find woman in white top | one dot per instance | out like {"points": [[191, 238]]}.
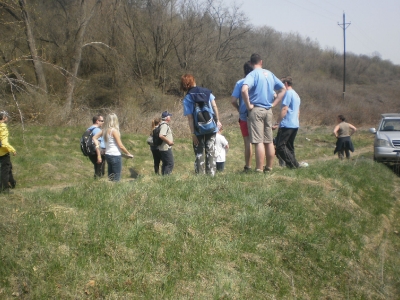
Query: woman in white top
{"points": [[114, 146]]}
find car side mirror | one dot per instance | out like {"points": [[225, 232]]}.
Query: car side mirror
{"points": [[372, 130]]}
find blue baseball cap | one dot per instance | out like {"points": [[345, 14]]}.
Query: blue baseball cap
{"points": [[165, 114]]}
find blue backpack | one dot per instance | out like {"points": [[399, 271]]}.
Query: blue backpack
{"points": [[204, 119]]}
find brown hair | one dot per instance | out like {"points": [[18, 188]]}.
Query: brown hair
{"points": [[154, 123], [341, 118], [187, 82]]}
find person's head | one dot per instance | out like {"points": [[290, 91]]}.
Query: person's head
{"points": [[3, 116], [187, 82], [155, 123], [166, 116], [98, 120], [287, 80], [110, 123], [247, 68], [341, 118], [256, 60]]}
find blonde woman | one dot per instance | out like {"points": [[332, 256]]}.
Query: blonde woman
{"points": [[112, 139]]}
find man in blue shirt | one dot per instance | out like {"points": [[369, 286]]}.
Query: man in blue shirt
{"points": [[288, 123], [99, 168], [258, 91]]}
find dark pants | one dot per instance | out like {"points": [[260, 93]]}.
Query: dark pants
{"points": [[99, 169], [167, 159], [6, 177], [220, 166], [285, 146], [205, 154], [156, 159]]}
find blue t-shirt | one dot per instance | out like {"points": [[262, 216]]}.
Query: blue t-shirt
{"points": [[188, 106], [292, 101], [237, 93], [262, 85], [95, 131]]}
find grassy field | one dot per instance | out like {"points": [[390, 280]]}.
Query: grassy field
{"points": [[330, 231]]}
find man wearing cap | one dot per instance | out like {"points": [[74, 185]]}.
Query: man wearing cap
{"points": [[165, 148], [7, 179], [258, 91]]}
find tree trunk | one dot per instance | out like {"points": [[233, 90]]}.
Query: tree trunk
{"points": [[37, 64], [77, 53]]}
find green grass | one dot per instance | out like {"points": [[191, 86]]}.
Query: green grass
{"points": [[329, 231]]}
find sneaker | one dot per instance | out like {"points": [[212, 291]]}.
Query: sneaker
{"points": [[259, 171], [303, 164], [267, 169]]}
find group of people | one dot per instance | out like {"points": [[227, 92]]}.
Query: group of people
{"points": [[109, 147], [253, 96]]}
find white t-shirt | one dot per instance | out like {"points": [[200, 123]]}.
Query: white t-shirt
{"points": [[220, 150]]}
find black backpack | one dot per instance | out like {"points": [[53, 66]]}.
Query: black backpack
{"points": [[87, 145], [156, 136]]}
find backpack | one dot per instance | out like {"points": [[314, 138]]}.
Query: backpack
{"points": [[87, 145], [204, 119], [156, 136]]}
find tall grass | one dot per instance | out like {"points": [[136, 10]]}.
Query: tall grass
{"points": [[329, 231]]}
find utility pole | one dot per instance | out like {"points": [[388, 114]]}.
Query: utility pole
{"points": [[344, 25]]}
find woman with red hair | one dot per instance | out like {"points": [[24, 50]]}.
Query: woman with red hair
{"points": [[203, 143]]}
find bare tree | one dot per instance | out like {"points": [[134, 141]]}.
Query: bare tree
{"points": [[85, 12]]}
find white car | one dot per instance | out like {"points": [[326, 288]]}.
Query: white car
{"points": [[387, 139]]}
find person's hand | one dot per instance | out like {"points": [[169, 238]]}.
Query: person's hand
{"points": [[128, 155], [99, 159], [15, 153], [275, 127], [219, 125], [250, 107], [195, 140], [171, 144]]}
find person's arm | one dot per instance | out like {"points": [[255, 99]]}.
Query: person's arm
{"points": [[4, 141], [191, 126], [353, 128], [335, 131], [97, 143], [215, 108], [245, 96], [279, 96], [164, 138], [117, 137], [283, 113], [234, 102]]}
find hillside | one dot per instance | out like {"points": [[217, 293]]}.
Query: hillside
{"points": [[330, 231]]}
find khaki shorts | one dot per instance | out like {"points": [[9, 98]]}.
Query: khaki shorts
{"points": [[259, 122]]}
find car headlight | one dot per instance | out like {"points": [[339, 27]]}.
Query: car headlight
{"points": [[382, 143]]}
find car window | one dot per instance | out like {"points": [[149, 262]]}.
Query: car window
{"points": [[390, 125]]}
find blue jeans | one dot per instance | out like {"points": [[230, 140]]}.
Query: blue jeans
{"points": [[114, 167]]}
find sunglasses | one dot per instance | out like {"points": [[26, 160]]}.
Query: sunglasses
{"points": [[101, 120]]}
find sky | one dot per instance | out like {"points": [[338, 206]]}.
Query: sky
{"points": [[374, 28]]}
